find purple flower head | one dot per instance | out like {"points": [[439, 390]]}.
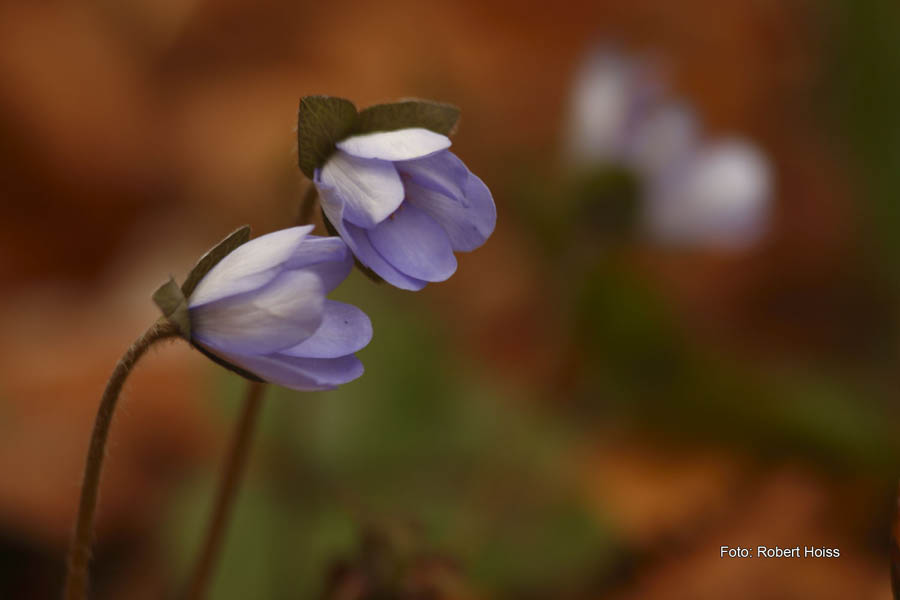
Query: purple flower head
{"points": [[404, 204], [263, 309], [696, 192]]}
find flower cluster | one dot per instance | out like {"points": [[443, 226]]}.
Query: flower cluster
{"points": [[402, 202], [696, 192], [399, 200]]}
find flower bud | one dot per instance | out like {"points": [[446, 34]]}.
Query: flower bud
{"points": [[263, 309]]}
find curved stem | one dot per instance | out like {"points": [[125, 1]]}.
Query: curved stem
{"points": [[225, 495], [80, 549]]}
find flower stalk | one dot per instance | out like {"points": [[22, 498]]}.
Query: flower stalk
{"points": [[80, 549], [225, 496]]}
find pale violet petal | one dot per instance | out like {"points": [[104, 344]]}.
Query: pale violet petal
{"points": [[402, 144], [345, 329], [358, 239], [250, 266], [481, 202], [327, 256], [331, 202], [414, 244], [467, 226], [279, 315], [370, 189], [359, 243], [304, 374], [442, 172]]}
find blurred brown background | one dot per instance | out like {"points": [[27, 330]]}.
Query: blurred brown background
{"points": [[504, 442]]}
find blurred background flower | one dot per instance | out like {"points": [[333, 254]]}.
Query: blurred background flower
{"points": [[690, 192], [574, 414]]}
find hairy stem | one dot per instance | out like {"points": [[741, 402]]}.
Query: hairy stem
{"points": [[80, 549], [225, 495]]}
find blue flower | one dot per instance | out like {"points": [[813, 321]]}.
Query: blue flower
{"points": [[697, 192], [404, 204], [263, 308]]}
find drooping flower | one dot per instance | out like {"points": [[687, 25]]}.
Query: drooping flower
{"points": [[263, 308], [404, 204], [695, 192]]}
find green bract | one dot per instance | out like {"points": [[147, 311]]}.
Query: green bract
{"points": [[234, 239], [322, 121], [172, 300], [436, 116], [173, 304]]}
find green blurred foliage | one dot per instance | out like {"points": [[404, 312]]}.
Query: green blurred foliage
{"points": [[424, 443], [641, 367], [865, 92]]}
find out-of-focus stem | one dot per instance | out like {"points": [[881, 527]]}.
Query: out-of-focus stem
{"points": [[225, 495], [895, 550], [80, 549]]}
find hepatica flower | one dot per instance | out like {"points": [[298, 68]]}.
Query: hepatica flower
{"points": [[258, 308], [262, 310], [694, 192], [391, 188]]}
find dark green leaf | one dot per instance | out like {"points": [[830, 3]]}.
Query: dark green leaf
{"points": [[171, 301], [363, 268], [212, 258], [436, 116], [321, 121]]}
